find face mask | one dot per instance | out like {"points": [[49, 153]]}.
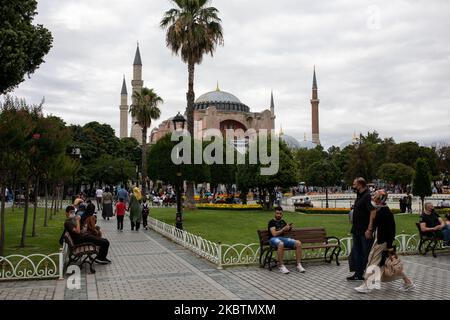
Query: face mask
{"points": [[355, 190], [72, 215], [374, 204]]}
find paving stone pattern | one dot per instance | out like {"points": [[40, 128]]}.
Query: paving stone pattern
{"points": [[148, 266]]}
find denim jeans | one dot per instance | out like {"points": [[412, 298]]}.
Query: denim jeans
{"points": [[446, 233], [360, 253]]}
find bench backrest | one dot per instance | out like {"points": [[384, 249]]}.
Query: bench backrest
{"points": [[305, 235], [68, 240]]}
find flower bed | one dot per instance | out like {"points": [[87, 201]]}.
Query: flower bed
{"points": [[443, 212], [225, 206], [331, 210]]}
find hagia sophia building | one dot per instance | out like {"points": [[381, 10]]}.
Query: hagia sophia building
{"points": [[215, 110]]}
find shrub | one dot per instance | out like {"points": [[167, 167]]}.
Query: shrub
{"points": [[225, 206], [332, 210]]}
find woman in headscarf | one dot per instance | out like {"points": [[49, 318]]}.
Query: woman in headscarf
{"points": [[383, 248], [107, 200], [135, 208]]}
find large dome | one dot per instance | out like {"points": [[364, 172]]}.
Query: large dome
{"points": [[217, 96], [221, 100]]}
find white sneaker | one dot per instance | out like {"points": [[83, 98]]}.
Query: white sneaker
{"points": [[407, 287], [283, 269], [300, 268], [363, 289]]}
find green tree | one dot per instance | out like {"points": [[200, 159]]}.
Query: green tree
{"points": [[422, 181], [323, 173], [50, 141], [360, 163], [15, 129], [129, 149], [193, 30], [306, 157], [249, 175], [144, 111], [396, 173], [161, 167], [22, 44]]}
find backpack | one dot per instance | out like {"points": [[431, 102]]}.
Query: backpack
{"points": [[145, 208]]}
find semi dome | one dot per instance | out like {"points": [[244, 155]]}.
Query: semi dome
{"points": [[290, 141], [222, 100]]}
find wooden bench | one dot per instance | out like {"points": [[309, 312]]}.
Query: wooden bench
{"points": [[430, 240], [311, 238], [81, 253]]}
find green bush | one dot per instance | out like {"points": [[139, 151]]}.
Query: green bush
{"points": [[442, 212]]}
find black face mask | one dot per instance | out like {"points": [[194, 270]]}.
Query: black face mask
{"points": [[355, 190]]}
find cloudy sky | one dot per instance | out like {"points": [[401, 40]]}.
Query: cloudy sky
{"points": [[381, 65]]}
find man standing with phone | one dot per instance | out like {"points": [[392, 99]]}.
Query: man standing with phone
{"points": [[362, 228], [277, 227]]}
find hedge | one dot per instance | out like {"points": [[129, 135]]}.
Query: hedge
{"points": [[332, 210]]}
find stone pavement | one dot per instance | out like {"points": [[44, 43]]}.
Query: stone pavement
{"points": [[148, 266]]}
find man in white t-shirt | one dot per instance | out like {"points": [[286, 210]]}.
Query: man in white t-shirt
{"points": [[99, 197]]}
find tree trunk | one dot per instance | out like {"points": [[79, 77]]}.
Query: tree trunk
{"points": [[45, 204], [423, 204], [61, 197], [25, 215], [52, 204], [144, 160], [272, 198], [2, 221], [326, 197], [190, 99], [55, 209], [190, 203], [36, 193], [243, 195]]}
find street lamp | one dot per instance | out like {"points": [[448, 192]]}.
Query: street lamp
{"points": [[178, 124], [76, 153]]}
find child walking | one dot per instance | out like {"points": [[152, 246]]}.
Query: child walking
{"points": [[120, 213], [145, 212]]}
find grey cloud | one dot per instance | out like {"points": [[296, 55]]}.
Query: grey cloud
{"points": [[393, 79]]}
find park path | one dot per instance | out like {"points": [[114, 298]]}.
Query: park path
{"points": [[148, 266]]}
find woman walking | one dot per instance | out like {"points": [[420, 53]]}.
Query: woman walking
{"points": [[135, 209], [383, 249], [107, 200]]}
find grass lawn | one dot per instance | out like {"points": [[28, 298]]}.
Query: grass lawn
{"points": [[46, 240], [231, 227]]}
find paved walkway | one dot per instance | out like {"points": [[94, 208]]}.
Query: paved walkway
{"points": [[148, 266]]}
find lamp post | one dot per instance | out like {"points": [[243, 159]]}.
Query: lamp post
{"points": [[178, 124], [76, 153]]}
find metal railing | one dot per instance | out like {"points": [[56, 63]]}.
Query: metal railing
{"points": [[224, 255], [31, 267]]}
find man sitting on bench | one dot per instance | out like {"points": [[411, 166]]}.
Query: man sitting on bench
{"points": [[72, 225], [276, 228], [431, 224]]}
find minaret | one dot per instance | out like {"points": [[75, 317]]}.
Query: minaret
{"points": [[123, 110], [272, 110], [315, 111], [272, 104], [137, 84]]}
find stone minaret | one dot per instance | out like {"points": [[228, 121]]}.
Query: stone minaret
{"points": [[137, 84], [123, 110], [272, 110], [315, 111]]}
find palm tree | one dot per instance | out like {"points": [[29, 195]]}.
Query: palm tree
{"points": [[144, 111], [193, 30]]}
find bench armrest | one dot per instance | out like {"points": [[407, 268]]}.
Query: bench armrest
{"points": [[335, 238]]}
